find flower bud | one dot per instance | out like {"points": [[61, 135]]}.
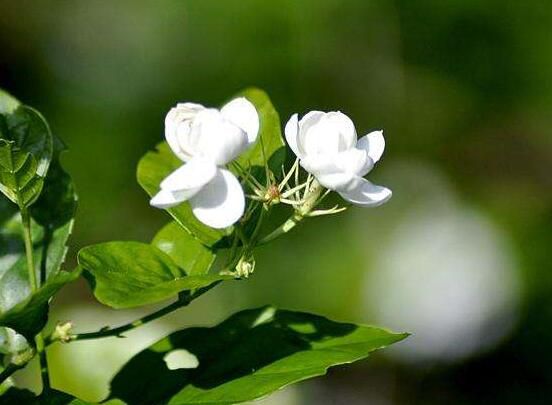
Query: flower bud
{"points": [[245, 267], [63, 332]]}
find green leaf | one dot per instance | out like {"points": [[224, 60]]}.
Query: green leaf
{"points": [[29, 315], [248, 356], [52, 223], [152, 169], [26, 148], [19, 307], [270, 135], [57, 204], [133, 274], [8, 103], [18, 174], [186, 251]]}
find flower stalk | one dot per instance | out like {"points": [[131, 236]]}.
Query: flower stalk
{"points": [[33, 281], [66, 337]]}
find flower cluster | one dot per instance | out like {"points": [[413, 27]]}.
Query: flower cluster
{"points": [[208, 139]]}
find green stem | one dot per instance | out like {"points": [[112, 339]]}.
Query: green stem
{"points": [[43, 360], [282, 229], [8, 371], [312, 199], [258, 225], [118, 331], [26, 222], [39, 340]]}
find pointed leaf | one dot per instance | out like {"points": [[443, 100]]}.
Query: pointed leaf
{"points": [[248, 356], [18, 174], [26, 148], [133, 274]]}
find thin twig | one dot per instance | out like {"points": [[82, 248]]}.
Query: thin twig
{"points": [[8, 371]]}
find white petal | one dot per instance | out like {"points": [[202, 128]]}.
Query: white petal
{"points": [[317, 164], [347, 131], [309, 119], [337, 181], [193, 175], [182, 111], [331, 133], [177, 122], [242, 113], [217, 138], [221, 202], [292, 132], [305, 124], [354, 161], [367, 194], [166, 199], [374, 144], [324, 168], [338, 172]]}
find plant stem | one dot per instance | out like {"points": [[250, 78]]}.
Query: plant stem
{"points": [[39, 340], [43, 360], [8, 371], [118, 331], [311, 200], [26, 222], [287, 226]]}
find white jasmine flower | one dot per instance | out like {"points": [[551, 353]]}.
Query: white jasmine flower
{"points": [[327, 147], [207, 139]]}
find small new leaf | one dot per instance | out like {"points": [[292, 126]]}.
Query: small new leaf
{"points": [[26, 149]]}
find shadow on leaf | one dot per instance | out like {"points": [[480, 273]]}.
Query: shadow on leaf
{"points": [[252, 353]]}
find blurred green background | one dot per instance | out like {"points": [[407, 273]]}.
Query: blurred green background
{"points": [[460, 256]]}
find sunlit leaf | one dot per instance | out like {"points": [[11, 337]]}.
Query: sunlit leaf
{"points": [[270, 143], [133, 274], [8, 103], [248, 356], [186, 251], [26, 148]]}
